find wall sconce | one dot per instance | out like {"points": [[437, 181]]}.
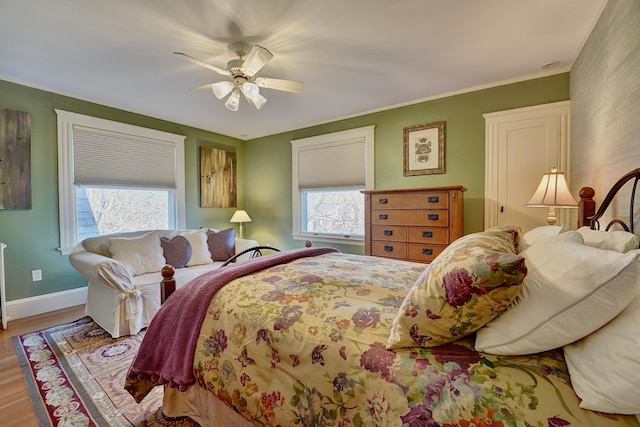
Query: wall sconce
{"points": [[240, 216], [553, 193]]}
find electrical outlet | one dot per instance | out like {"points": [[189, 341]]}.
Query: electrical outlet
{"points": [[36, 275]]}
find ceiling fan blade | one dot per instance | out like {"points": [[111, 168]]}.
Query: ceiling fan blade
{"points": [[207, 86], [203, 64], [255, 60], [279, 84]]}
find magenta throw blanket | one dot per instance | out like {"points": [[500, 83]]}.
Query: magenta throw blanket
{"points": [[166, 353]]}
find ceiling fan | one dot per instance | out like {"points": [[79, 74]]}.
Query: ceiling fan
{"points": [[242, 71]]}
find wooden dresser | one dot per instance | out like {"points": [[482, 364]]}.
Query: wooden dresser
{"points": [[412, 224]]}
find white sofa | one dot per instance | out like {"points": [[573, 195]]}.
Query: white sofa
{"points": [[123, 270]]}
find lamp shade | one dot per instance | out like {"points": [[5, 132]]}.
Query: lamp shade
{"points": [[240, 216], [553, 191]]}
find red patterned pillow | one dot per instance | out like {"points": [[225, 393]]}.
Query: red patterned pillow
{"points": [[177, 251], [222, 244]]}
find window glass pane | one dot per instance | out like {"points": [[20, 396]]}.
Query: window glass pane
{"points": [[333, 212], [109, 210]]}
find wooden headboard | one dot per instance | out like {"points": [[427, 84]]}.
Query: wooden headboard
{"points": [[587, 214]]}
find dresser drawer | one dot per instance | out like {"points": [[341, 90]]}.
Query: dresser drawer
{"points": [[390, 233], [424, 252], [432, 235], [410, 201], [389, 249], [433, 218]]}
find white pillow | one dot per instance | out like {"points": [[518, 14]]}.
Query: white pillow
{"points": [[604, 367], [532, 236], [199, 248], [570, 291], [141, 254], [620, 241]]}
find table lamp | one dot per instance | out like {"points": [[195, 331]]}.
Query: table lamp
{"points": [[553, 193], [240, 216]]}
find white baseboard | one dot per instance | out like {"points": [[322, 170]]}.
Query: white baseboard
{"points": [[31, 306]]}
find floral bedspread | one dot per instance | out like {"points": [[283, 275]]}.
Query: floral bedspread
{"points": [[304, 344]]}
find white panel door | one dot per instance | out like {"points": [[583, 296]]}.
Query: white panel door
{"points": [[521, 146]]}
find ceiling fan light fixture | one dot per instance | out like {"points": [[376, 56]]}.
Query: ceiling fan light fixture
{"points": [[233, 102], [222, 89], [258, 102], [251, 90]]}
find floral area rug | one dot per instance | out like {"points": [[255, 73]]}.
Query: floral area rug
{"points": [[75, 375]]}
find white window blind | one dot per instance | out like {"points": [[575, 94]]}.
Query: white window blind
{"points": [[103, 153], [328, 172], [339, 164], [106, 158]]}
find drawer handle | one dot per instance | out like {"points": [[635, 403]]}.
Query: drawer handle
{"points": [[432, 217], [433, 199], [388, 248], [383, 201], [427, 234], [427, 251], [388, 232], [383, 216]]}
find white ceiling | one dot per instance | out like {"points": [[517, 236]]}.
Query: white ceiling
{"points": [[354, 56]]}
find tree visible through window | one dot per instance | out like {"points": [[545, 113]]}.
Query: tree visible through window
{"points": [[109, 210], [334, 212]]}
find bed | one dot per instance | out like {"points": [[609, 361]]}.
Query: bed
{"points": [[496, 331]]}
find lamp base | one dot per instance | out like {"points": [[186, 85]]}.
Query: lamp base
{"points": [[240, 231], [551, 216]]}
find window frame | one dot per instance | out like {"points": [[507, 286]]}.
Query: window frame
{"points": [[66, 188], [365, 134]]}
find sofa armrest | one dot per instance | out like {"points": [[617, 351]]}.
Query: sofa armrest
{"points": [[244, 244], [97, 268]]}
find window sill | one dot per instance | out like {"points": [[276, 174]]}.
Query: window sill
{"points": [[325, 238]]}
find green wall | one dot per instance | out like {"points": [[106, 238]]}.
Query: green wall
{"points": [[264, 170], [268, 160], [32, 236]]}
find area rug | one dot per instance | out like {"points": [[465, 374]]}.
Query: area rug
{"points": [[75, 374]]}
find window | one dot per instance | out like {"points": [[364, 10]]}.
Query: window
{"points": [[116, 177], [328, 174]]}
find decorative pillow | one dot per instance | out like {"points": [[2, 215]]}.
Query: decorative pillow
{"points": [[570, 291], [532, 236], [620, 241], [177, 250], [469, 283], [222, 244], [604, 366], [199, 248], [141, 254]]}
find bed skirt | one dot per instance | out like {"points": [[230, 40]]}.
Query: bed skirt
{"points": [[201, 406]]}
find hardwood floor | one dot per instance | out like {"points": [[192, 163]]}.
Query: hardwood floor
{"points": [[15, 404]]}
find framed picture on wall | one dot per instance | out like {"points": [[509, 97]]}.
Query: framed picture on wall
{"points": [[15, 159], [424, 149], [218, 186]]}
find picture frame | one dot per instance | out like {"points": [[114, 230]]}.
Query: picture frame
{"points": [[218, 178], [424, 149]]}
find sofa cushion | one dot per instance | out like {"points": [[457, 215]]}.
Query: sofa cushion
{"points": [[177, 250], [222, 244], [199, 248], [141, 254]]}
